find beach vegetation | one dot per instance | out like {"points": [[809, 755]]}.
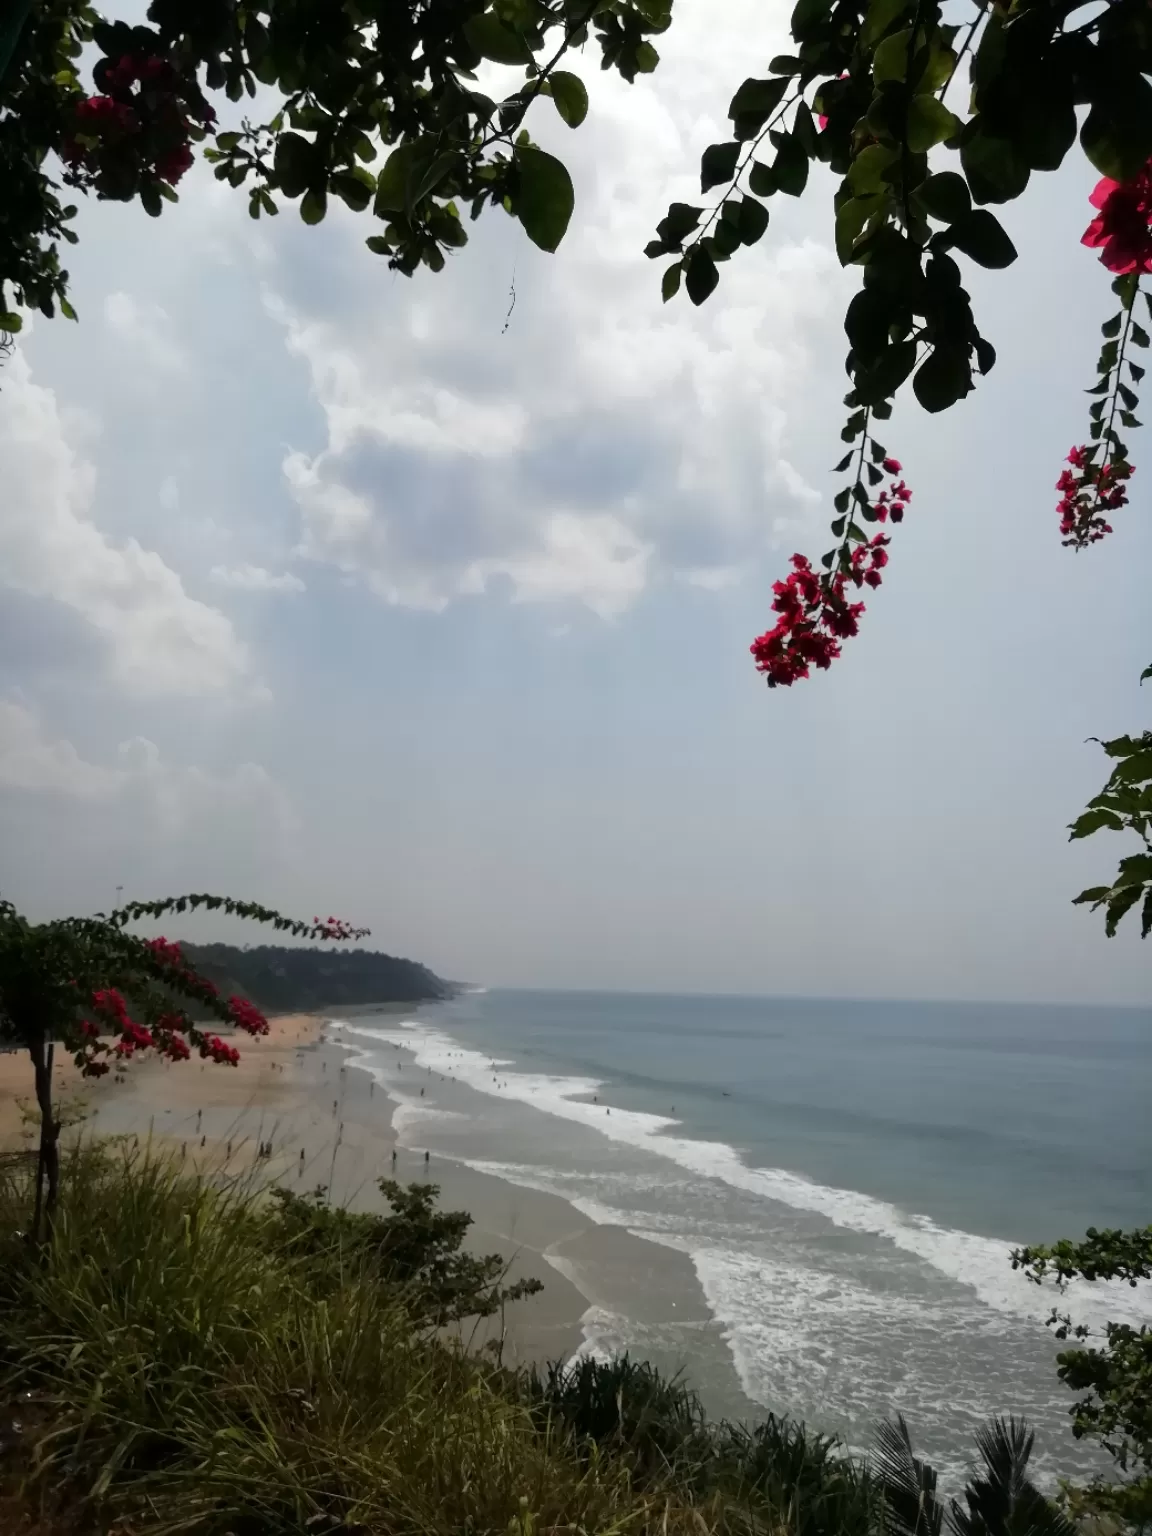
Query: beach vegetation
{"points": [[192, 1356]]}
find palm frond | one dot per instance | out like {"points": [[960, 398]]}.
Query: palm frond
{"points": [[907, 1484], [1001, 1499]]}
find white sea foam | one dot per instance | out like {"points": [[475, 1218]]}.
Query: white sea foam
{"points": [[981, 1263]]}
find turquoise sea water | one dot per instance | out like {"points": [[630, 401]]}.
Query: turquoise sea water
{"points": [[847, 1179]]}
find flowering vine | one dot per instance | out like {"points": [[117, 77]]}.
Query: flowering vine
{"points": [[814, 609], [1096, 479]]}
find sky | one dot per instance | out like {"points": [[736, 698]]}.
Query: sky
{"points": [[354, 593]]}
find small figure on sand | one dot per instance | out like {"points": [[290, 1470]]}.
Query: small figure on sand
{"points": [[426, 1156], [421, 1093], [393, 1157]]}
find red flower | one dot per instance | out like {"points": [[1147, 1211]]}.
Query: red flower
{"points": [[212, 1046], [172, 165], [1086, 494], [109, 1002], [247, 1016], [814, 613], [1122, 230], [171, 953]]}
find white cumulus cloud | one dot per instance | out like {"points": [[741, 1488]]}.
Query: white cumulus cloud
{"points": [[138, 777], [589, 440], [254, 578], [160, 639]]}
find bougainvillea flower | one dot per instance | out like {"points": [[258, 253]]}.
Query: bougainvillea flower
{"points": [[1122, 230]]}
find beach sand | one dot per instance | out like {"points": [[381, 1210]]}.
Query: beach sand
{"points": [[330, 1124]]}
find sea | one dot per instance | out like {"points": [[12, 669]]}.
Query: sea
{"points": [[847, 1180]]}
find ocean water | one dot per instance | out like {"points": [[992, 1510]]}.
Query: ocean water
{"points": [[846, 1178]]}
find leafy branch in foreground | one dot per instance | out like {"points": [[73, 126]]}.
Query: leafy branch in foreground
{"points": [[863, 93], [1123, 805], [345, 82], [1116, 1410]]}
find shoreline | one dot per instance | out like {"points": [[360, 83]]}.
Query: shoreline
{"points": [[332, 1123]]}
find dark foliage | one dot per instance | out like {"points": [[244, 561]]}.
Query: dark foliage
{"points": [[286, 979]]}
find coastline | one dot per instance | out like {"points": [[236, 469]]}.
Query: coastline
{"points": [[331, 1123]]}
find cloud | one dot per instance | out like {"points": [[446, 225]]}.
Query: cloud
{"points": [[145, 329], [139, 778], [254, 578], [603, 440], [160, 639]]}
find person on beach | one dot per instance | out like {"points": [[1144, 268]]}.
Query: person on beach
{"points": [[426, 1156]]}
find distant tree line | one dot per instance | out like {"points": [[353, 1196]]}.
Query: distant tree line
{"points": [[282, 978]]}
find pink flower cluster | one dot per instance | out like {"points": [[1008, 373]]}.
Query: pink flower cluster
{"points": [[150, 126], [814, 611], [167, 1036], [1122, 229], [336, 928], [1086, 492], [247, 1016], [218, 1050]]}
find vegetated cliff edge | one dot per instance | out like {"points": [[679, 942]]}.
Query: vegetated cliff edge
{"points": [[291, 979]]}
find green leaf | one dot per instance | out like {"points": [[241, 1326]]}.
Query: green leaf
{"points": [[890, 61], [879, 17], [981, 235], [1095, 821], [838, 469], [808, 14], [942, 378], [761, 179], [1144, 676], [945, 196], [294, 162], [570, 95], [866, 173], [313, 206], [670, 281], [355, 190], [929, 123], [1137, 335], [67, 311], [700, 276], [379, 245], [680, 220], [790, 168], [753, 220], [1111, 327], [754, 103], [995, 168], [545, 198], [842, 498], [885, 376], [493, 40], [718, 164], [851, 217], [1119, 904], [1117, 133]]}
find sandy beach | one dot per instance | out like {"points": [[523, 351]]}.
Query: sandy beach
{"points": [[331, 1124]]}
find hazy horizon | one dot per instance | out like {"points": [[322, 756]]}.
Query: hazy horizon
{"points": [[324, 587]]}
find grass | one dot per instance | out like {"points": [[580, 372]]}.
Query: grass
{"points": [[183, 1362]]}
